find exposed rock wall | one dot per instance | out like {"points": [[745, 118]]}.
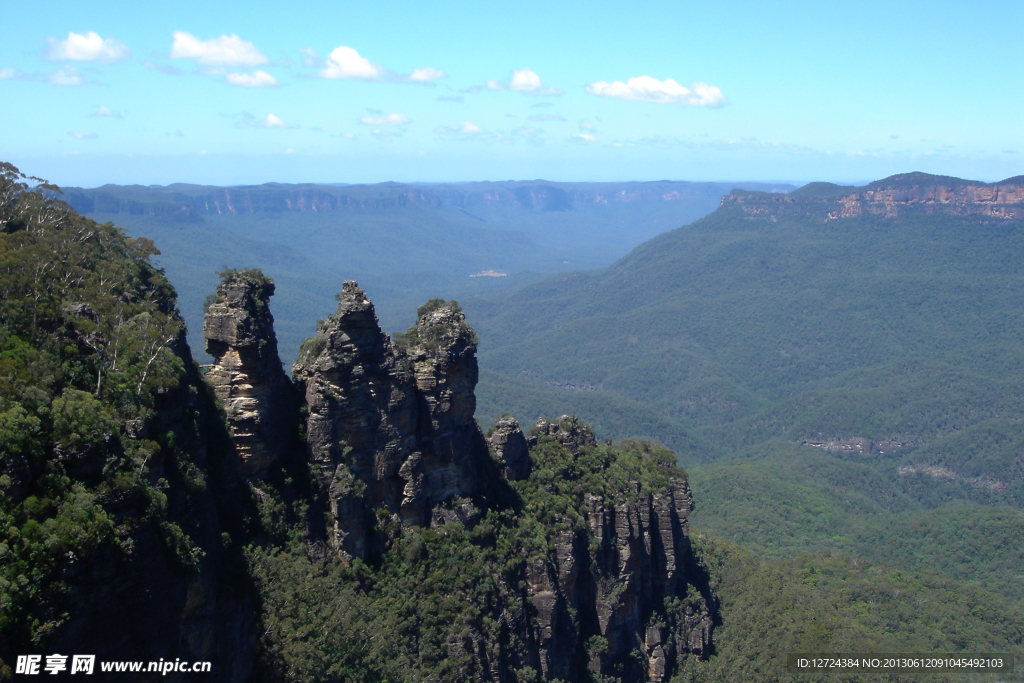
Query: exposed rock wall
{"points": [[893, 196], [389, 428], [510, 448], [392, 439], [625, 579], [247, 376]]}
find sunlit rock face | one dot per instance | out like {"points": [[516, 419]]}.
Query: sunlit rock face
{"points": [[247, 377]]}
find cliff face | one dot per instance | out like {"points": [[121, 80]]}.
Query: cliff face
{"points": [[389, 428], [147, 599], [247, 377], [624, 577], [393, 445], [894, 196]]}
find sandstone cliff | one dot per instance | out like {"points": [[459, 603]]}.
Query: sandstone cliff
{"points": [[247, 376], [893, 196], [624, 576]]}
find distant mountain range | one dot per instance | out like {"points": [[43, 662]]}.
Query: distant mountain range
{"points": [[884, 319], [403, 242]]}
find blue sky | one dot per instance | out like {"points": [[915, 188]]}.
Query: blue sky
{"points": [[231, 92]]}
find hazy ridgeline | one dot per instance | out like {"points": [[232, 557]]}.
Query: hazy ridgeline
{"points": [[403, 243]]}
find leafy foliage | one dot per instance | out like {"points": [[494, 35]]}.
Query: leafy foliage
{"points": [[830, 603], [88, 339]]}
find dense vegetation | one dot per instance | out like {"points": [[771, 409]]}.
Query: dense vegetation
{"points": [[746, 337], [89, 339], [835, 604], [419, 611]]}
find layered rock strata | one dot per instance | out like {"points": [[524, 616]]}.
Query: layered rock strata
{"points": [[894, 196], [390, 426], [625, 579], [247, 376]]}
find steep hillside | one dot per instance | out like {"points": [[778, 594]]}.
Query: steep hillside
{"points": [[892, 329], [114, 498]]}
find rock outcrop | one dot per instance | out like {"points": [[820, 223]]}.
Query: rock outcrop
{"points": [[626, 578], [247, 376], [390, 426], [510, 448], [393, 443], [893, 196]]}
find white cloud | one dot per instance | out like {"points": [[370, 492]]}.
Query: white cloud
{"points": [[106, 113], [464, 129], [83, 136], [6, 73], [257, 79], [524, 81], [345, 62], [225, 51], [247, 120], [67, 75], [389, 120], [647, 89], [585, 137], [546, 117], [426, 74], [87, 48], [272, 122]]}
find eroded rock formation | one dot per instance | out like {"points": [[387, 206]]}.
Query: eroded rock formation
{"points": [[510, 448], [625, 578], [247, 376], [897, 195], [390, 426], [393, 443]]}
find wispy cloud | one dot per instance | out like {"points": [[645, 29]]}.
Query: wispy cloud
{"points": [[89, 47], [546, 117], [524, 81], [464, 130], [83, 136], [426, 75], [165, 69], [450, 98], [103, 112], [6, 73], [583, 137], [310, 58], [648, 89], [530, 134], [257, 79], [382, 120], [225, 51], [67, 75], [247, 120]]}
